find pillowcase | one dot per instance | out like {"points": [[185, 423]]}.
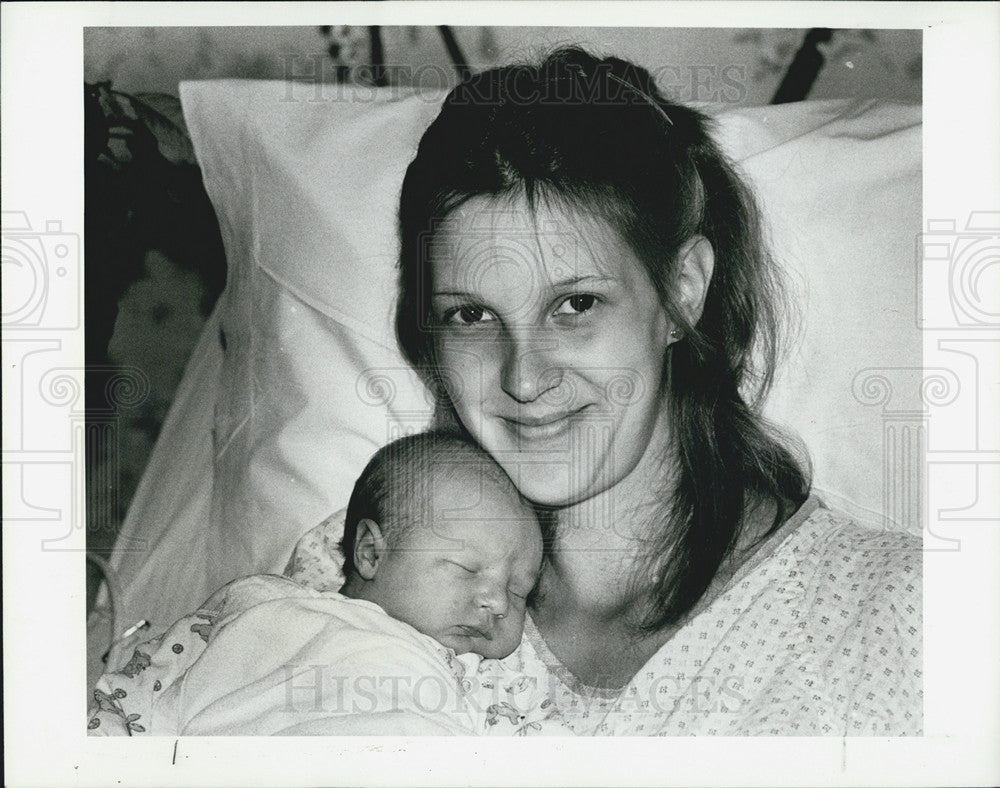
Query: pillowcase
{"points": [[839, 184], [311, 382]]}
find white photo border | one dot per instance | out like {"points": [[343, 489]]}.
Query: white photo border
{"points": [[46, 742]]}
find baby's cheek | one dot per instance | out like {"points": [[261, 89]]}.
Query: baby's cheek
{"points": [[511, 631]]}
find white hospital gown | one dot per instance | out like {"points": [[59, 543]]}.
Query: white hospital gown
{"points": [[820, 633]]}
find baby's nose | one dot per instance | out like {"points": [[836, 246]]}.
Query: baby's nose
{"points": [[494, 600]]}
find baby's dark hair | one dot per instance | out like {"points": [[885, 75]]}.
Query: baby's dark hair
{"points": [[395, 487]]}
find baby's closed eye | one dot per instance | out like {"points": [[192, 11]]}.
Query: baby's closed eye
{"points": [[467, 569]]}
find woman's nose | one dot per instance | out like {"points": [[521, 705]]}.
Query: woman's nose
{"points": [[526, 373]]}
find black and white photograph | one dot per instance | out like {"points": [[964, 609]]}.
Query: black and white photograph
{"points": [[381, 390]]}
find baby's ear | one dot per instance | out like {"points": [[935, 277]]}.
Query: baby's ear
{"points": [[369, 548]]}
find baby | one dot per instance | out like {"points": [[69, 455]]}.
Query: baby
{"points": [[438, 536], [440, 555]]}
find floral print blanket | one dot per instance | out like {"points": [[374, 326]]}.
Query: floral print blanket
{"points": [[266, 655]]}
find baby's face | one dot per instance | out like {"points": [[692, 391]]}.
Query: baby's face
{"points": [[463, 577]]}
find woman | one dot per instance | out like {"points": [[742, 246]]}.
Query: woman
{"points": [[583, 282]]}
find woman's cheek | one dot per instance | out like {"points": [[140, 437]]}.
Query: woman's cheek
{"points": [[605, 373], [462, 366]]}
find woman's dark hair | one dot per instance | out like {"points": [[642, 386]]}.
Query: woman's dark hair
{"points": [[596, 135]]}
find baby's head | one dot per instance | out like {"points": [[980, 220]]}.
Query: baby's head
{"points": [[438, 536]]}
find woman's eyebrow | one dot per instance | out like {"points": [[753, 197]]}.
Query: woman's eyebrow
{"points": [[456, 293], [584, 279], [569, 281]]}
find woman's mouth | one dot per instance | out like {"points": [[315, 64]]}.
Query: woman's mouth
{"points": [[540, 427]]}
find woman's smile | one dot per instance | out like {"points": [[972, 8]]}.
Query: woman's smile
{"points": [[541, 427]]}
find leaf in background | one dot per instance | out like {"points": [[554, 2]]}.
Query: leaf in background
{"points": [[106, 99], [109, 125], [162, 115]]}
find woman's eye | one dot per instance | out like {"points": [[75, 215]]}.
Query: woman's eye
{"points": [[577, 304], [468, 315], [464, 568]]}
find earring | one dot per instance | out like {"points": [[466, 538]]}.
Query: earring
{"points": [[676, 333]]}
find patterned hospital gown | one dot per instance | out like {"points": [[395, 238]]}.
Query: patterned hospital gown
{"points": [[820, 633]]}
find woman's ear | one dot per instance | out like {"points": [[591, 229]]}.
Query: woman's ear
{"points": [[369, 548], [695, 264]]}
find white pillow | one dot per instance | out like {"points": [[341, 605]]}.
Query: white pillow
{"points": [[312, 382], [839, 184]]}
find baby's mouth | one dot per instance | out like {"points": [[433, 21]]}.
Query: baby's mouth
{"points": [[475, 632]]}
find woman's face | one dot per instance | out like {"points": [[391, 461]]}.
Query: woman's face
{"points": [[551, 341]]}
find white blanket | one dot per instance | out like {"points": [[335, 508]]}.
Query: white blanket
{"points": [[266, 656]]}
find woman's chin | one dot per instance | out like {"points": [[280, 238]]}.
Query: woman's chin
{"points": [[557, 472], [552, 487]]}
